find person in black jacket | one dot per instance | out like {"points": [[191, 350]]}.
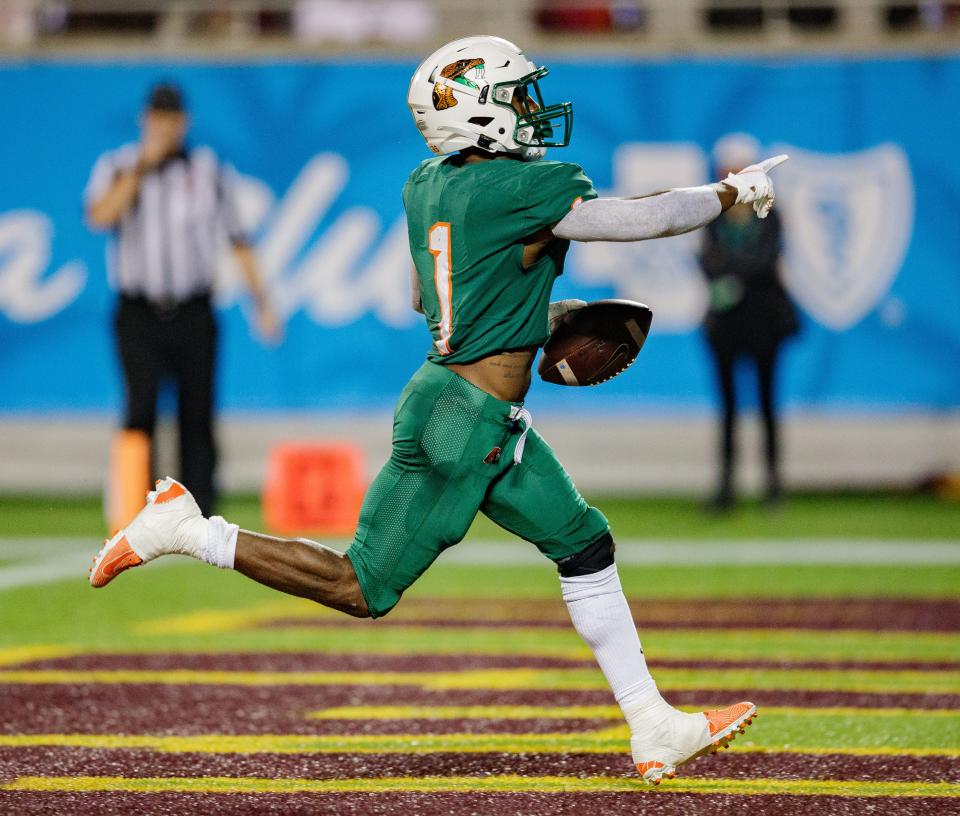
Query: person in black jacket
{"points": [[749, 316]]}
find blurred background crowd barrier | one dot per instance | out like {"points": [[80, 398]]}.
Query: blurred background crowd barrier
{"points": [[321, 144], [240, 25]]}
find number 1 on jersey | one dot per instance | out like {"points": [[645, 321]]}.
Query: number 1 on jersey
{"points": [[438, 242]]}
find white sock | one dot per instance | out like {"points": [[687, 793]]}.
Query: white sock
{"points": [[601, 616], [219, 546]]}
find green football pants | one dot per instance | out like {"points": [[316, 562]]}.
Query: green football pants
{"points": [[453, 456]]}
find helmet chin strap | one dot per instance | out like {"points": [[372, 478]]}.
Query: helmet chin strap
{"points": [[530, 153], [474, 136], [526, 153]]}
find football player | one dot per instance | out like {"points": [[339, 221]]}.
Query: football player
{"points": [[490, 221]]}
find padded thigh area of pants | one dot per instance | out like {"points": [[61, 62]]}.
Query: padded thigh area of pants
{"points": [[452, 422], [427, 495]]}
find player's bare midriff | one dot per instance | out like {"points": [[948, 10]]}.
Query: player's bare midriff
{"points": [[505, 376]]}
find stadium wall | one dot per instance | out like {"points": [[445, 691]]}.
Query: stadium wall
{"points": [[321, 151], [606, 455]]}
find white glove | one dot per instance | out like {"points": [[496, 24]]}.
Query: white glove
{"points": [[753, 185], [559, 308]]}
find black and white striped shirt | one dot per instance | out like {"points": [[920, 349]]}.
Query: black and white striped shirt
{"points": [[167, 244]]}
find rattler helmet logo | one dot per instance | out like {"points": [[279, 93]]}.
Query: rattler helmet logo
{"points": [[463, 71]]}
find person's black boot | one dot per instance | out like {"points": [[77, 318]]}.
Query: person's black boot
{"points": [[773, 498], [722, 501]]}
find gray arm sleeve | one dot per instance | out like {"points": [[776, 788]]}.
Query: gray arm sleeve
{"points": [[637, 219]]}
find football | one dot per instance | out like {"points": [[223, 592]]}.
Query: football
{"points": [[593, 344]]}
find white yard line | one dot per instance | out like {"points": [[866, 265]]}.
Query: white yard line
{"points": [[45, 560], [44, 572], [35, 549], [683, 552]]}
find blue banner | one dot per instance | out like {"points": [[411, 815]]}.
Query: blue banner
{"points": [[870, 202]]}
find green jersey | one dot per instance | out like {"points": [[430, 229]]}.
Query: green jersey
{"points": [[468, 223]]}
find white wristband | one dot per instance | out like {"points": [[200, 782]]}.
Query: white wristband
{"points": [[221, 545]]}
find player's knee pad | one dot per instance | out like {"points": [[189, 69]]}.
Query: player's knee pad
{"points": [[593, 558]]}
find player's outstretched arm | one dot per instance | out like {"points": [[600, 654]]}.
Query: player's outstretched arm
{"points": [[669, 213]]}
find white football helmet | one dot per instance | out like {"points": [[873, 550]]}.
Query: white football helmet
{"points": [[483, 92]]}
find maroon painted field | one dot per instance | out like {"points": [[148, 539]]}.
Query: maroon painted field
{"points": [[49, 705]]}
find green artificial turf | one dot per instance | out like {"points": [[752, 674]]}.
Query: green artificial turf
{"points": [[901, 516], [71, 612], [178, 605]]}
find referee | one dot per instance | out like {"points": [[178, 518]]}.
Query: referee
{"points": [[169, 207]]}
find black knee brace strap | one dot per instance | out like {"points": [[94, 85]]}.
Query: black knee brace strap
{"points": [[594, 558]]}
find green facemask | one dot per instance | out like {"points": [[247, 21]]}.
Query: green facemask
{"points": [[547, 125]]}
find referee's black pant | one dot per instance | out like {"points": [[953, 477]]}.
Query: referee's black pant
{"points": [[179, 342]]}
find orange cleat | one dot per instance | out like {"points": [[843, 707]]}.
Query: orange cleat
{"points": [[726, 723], [115, 557], [170, 522], [675, 738]]}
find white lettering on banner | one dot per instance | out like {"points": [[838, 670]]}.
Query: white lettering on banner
{"points": [[664, 273], [847, 221], [345, 273], [26, 296]]}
